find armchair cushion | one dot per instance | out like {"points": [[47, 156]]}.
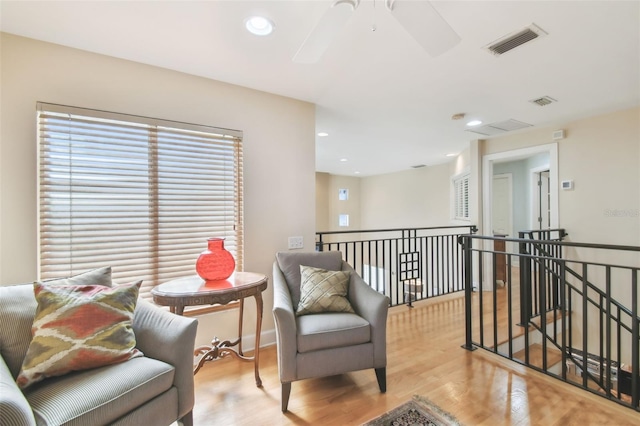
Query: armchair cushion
{"points": [[331, 330], [323, 291], [289, 264], [79, 327]]}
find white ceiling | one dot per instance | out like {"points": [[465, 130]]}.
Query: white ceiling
{"points": [[385, 102]]}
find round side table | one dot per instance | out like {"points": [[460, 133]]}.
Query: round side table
{"points": [[194, 291]]}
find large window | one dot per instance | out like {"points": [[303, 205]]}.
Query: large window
{"points": [[141, 195]]}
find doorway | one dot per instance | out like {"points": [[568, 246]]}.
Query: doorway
{"points": [[541, 192], [526, 165], [502, 208], [519, 163]]}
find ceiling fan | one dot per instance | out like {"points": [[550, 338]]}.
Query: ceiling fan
{"points": [[419, 18]]}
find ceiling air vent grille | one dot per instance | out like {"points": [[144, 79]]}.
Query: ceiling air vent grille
{"points": [[545, 100], [499, 127], [511, 41]]}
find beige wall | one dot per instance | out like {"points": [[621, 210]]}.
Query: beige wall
{"points": [[412, 198], [601, 155], [323, 180], [329, 207], [279, 152]]}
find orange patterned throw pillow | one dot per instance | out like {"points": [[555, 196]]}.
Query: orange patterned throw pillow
{"points": [[78, 328]]}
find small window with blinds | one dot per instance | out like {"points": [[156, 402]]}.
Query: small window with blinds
{"points": [[461, 197], [138, 194]]}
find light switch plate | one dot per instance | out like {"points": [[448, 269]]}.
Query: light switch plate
{"points": [[296, 242]]}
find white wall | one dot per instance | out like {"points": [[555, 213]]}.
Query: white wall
{"points": [[279, 152]]}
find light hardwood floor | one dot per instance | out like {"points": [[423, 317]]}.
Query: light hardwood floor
{"points": [[424, 358]]}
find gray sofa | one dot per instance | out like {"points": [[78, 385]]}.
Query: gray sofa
{"points": [[156, 389], [326, 344]]}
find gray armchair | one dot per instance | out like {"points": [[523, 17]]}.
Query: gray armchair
{"points": [[326, 344]]}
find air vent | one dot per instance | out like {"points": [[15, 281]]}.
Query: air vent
{"points": [[545, 100], [511, 41], [499, 127]]}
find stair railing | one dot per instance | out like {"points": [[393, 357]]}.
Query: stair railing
{"points": [[554, 303], [406, 264]]}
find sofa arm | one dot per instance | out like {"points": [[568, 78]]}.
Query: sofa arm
{"points": [[14, 408], [374, 307], [286, 328], [170, 338]]}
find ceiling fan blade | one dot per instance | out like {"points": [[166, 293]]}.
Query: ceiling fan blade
{"points": [[325, 31], [423, 22]]}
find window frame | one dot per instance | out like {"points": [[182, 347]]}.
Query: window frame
{"points": [[460, 210], [221, 146]]}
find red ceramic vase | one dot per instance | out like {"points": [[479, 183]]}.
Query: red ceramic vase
{"points": [[215, 263]]}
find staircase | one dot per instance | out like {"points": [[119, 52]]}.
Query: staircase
{"points": [[551, 307]]}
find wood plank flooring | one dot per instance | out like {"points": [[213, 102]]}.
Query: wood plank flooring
{"points": [[424, 358]]}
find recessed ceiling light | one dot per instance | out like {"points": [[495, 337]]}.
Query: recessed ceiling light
{"points": [[356, 173], [451, 155], [474, 123], [343, 160], [259, 25], [323, 134]]}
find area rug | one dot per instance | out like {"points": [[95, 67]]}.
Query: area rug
{"points": [[417, 412]]}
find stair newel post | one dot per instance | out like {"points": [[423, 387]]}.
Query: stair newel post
{"points": [[525, 281], [465, 241], [635, 339], [563, 310], [542, 275]]}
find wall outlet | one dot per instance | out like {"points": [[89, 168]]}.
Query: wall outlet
{"points": [[295, 242]]}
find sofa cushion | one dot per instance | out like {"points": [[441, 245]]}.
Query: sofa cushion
{"points": [[79, 327], [18, 307], [323, 291], [100, 395], [98, 276], [289, 264], [331, 330]]}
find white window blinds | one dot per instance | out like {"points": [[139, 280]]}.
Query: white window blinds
{"points": [[461, 197], [140, 195]]}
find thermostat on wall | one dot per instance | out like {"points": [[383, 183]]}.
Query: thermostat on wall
{"points": [[567, 184]]}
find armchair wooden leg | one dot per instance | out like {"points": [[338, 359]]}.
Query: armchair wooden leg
{"points": [[381, 375], [286, 391], [187, 419]]}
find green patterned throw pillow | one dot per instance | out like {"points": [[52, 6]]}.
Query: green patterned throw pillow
{"points": [[323, 291], [78, 328]]}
